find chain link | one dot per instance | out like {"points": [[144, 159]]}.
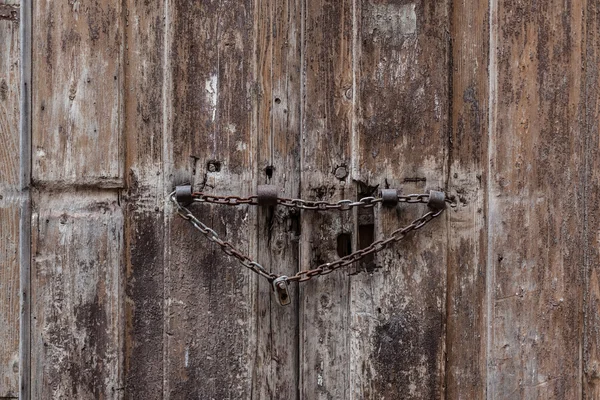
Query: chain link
{"points": [[358, 255], [342, 205]]}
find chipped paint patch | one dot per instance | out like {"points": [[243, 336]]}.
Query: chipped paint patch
{"points": [[212, 93], [391, 21]]}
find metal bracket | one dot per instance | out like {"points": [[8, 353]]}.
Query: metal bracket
{"points": [[389, 197], [267, 195], [437, 200], [280, 286]]}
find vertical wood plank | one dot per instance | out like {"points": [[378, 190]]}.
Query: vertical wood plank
{"points": [[277, 127], [144, 226], [326, 141], [9, 198], [77, 320], [401, 138], [211, 300], [76, 296], [467, 234], [77, 98], [591, 332], [537, 169]]}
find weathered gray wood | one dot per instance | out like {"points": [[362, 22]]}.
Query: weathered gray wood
{"points": [[210, 299], [77, 75], [591, 330], [25, 128], [402, 110], [535, 216], [467, 235], [9, 200], [277, 32], [326, 146], [76, 285], [144, 223], [77, 316]]}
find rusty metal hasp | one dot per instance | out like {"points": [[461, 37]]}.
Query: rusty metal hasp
{"points": [[268, 196]]}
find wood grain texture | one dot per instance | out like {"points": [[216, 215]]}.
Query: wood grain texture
{"points": [[402, 109], [537, 167], [326, 146], [9, 204], [77, 319], [467, 181], [591, 331], [211, 300], [77, 63], [144, 226], [277, 31]]}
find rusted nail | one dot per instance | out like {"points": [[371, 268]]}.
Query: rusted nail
{"points": [[341, 172], [9, 12]]}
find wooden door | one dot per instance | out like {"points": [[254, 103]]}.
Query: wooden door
{"points": [[495, 103]]}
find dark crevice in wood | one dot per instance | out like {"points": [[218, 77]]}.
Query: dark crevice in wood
{"points": [[366, 230], [344, 244], [449, 157]]}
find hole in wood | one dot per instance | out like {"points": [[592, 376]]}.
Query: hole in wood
{"points": [[269, 171], [366, 236], [344, 244], [213, 166], [277, 100]]}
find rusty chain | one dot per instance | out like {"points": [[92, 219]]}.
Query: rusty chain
{"points": [[323, 269], [342, 205], [226, 247]]}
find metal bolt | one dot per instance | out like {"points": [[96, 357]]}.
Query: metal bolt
{"points": [[341, 172]]}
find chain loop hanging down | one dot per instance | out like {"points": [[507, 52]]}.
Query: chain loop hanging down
{"points": [[183, 195]]}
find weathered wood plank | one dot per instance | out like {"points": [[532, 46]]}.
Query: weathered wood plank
{"points": [[537, 163], [9, 104], [467, 235], [277, 39], [402, 111], [326, 151], [77, 107], [144, 226], [9, 297], [591, 331], [9, 200], [76, 296], [211, 300]]}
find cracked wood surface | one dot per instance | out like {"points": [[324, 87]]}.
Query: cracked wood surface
{"points": [[495, 102]]}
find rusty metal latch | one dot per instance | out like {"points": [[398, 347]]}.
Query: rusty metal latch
{"points": [[268, 196], [280, 286]]}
